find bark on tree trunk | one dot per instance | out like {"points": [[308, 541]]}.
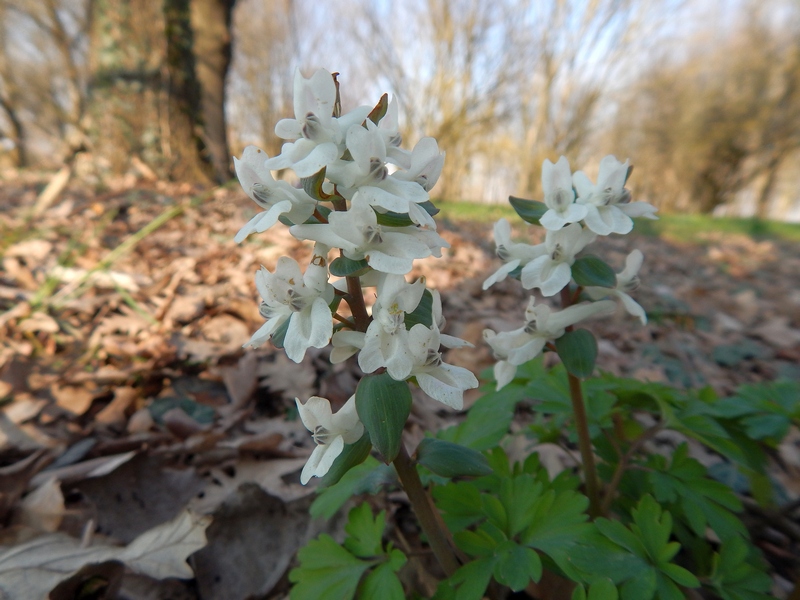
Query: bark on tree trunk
{"points": [[191, 161], [211, 24], [157, 88]]}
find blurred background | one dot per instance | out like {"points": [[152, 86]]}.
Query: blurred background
{"points": [[702, 95]]}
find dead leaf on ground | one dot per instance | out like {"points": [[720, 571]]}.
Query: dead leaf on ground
{"points": [[43, 508], [139, 495], [33, 569], [251, 543]]}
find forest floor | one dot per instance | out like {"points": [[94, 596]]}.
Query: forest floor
{"points": [[126, 396]]}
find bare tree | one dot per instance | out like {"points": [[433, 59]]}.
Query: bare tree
{"points": [[266, 55], [500, 84], [710, 125]]}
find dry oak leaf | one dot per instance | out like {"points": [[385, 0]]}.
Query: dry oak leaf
{"points": [[31, 570]]}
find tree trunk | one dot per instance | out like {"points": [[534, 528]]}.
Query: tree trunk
{"points": [[191, 161], [211, 24], [148, 100], [17, 134]]}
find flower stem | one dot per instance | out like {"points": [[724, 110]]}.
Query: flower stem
{"points": [[355, 299], [430, 521], [582, 427]]}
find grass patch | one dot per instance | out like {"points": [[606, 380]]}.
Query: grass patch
{"points": [[688, 228]]}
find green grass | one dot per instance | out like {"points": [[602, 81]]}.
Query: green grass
{"points": [[688, 228]]}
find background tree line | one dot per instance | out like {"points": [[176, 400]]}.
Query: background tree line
{"points": [[704, 98]]}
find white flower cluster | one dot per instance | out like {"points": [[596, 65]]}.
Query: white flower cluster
{"points": [[354, 164], [577, 212]]}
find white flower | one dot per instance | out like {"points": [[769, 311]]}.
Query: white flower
{"points": [[551, 272], [277, 197], [512, 254], [330, 432], [609, 202], [441, 381], [386, 340], [345, 344], [367, 174], [425, 166], [319, 135], [627, 281], [558, 196], [357, 233], [389, 127], [542, 324], [302, 299]]}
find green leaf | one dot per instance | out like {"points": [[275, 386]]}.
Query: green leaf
{"points": [[603, 589], [475, 543], [313, 185], [347, 267], [578, 351], [680, 575], [383, 405], [366, 478], [423, 313], [451, 460], [591, 270], [352, 455], [327, 571], [460, 502], [558, 525], [488, 420], [365, 534], [515, 565], [474, 578], [381, 584], [201, 413], [279, 335], [693, 496], [739, 573], [395, 219], [529, 210]]}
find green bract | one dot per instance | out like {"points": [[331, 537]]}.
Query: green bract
{"points": [[383, 405]]}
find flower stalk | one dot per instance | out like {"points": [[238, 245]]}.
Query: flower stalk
{"points": [[582, 428], [429, 520]]}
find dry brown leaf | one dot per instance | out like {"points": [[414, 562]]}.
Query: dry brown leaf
{"points": [[33, 569], [39, 322], [251, 523], [241, 380], [76, 400], [43, 508], [114, 412], [284, 375], [23, 408], [95, 467]]}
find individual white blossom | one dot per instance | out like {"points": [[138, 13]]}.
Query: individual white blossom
{"points": [[513, 254], [276, 197], [542, 325], [389, 128], [441, 381], [559, 196], [552, 271], [367, 174], [346, 343], [330, 432], [608, 202], [357, 232], [627, 281], [425, 166], [302, 299], [319, 135], [386, 339]]}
